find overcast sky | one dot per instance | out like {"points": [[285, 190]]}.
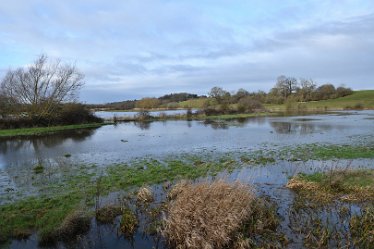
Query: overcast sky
{"points": [[135, 48]]}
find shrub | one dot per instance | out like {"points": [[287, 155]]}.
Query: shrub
{"points": [[248, 104], [75, 113], [207, 215]]}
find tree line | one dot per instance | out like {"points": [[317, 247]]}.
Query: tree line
{"points": [[286, 89], [219, 100]]}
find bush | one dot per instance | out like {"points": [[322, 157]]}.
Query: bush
{"points": [[76, 114], [248, 104]]}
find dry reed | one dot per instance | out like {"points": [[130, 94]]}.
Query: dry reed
{"points": [[207, 215], [144, 195]]}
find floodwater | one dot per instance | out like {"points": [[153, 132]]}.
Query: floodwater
{"points": [[126, 141]]}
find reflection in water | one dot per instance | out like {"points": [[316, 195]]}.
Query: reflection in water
{"points": [[144, 125], [299, 128], [216, 124], [36, 143]]}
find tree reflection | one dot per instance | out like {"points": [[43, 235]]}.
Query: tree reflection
{"points": [[299, 128]]}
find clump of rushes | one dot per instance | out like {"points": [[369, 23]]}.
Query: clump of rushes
{"points": [[207, 215], [346, 185], [144, 195], [38, 169], [74, 224], [128, 223], [108, 213]]}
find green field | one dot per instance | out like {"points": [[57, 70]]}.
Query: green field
{"points": [[358, 100], [193, 103]]}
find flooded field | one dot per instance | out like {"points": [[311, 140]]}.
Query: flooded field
{"points": [[264, 152]]}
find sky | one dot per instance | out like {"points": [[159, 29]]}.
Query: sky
{"points": [[147, 48]]}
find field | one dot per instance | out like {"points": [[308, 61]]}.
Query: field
{"points": [[358, 100]]}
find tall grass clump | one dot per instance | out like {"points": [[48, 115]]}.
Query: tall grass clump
{"points": [[73, 225], [207, 215]]}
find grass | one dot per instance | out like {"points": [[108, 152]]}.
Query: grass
{"points": [[193, 103], [38, 169], [43, 214], [41, 131], [325, 152], [107, 214], [129, 222], [76, 223], [207, 215], [358, 100], [347, 185], [362, 228]]}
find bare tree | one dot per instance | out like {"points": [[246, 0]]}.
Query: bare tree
{"points": [[286, 85], [42, 85]]}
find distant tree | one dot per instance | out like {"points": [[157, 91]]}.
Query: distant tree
{"points": [[248, 104], [221, 97], [218, 93], [5, 105], [326, 91], [178, 97], [241, 93], [286, 85], [342, 91], [307, 87], [42, 86]]}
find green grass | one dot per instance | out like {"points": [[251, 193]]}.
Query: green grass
{"points": [[40, 131], [325, 152], [345, 178], [193, 103]]}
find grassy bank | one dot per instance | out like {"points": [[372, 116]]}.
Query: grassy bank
{"points": [[348, 185], [41, 131]]}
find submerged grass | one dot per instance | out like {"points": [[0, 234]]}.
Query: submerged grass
{"points": [[77, 190], [107, 214], [347, 185]]}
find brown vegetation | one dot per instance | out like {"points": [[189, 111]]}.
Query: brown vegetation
{"points": [[129, 222], [144, 195], [207, 215], [108, 213], [345, 185]]}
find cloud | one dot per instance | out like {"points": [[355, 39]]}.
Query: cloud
{"points": [[135, 48]]}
